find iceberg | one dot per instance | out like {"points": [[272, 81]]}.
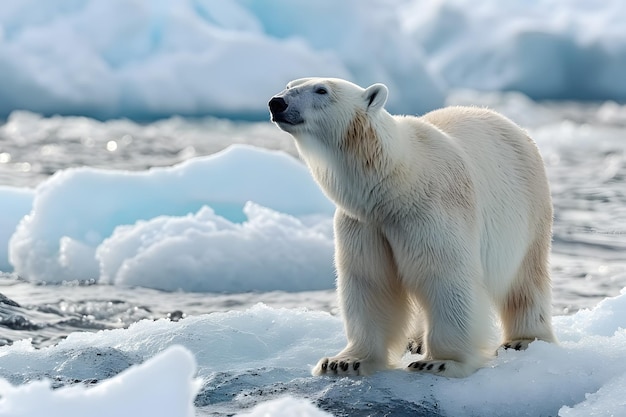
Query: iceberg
{"points": [[202, 225], [556, 50]]}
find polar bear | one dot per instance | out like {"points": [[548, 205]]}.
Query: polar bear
{"points": [[441, 221]]}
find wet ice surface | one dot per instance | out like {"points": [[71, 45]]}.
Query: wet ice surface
{"points": [[48, 313], [244, 359]]}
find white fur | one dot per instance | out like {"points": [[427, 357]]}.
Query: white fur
{"points": [[440, 220]]}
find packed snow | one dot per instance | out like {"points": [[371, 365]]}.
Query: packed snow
{"points": [[148, 59], [258, 361], [244, 219]]}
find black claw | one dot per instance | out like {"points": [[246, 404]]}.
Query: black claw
{"points": [[325, 365], [344, 365], [422, 366], [507, 346], [356, 365], [442, 367], [333, 366], [518, 346], [430, 366]]}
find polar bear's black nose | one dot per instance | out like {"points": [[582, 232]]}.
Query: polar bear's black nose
{"points": [[277, 105]]}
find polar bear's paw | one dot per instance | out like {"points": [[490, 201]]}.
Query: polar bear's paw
{"points": [[433, 367], [521, 344], [338, 366], [448, 368], [345, 366]]}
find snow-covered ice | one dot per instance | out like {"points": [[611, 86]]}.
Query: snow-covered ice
{"points": [[287, 407], [148, 59], [247, 358]]}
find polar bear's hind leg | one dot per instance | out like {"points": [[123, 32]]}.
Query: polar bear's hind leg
{"points": [[526, 311]]}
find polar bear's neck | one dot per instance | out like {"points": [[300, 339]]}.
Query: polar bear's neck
{"points": [[366, 152]]}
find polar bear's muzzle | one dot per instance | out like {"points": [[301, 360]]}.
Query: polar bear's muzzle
{"points": [[282, 114], [277, 105]]}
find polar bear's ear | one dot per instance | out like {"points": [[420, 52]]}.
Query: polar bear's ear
{"points": [[375, 96]]}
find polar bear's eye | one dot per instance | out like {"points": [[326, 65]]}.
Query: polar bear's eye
{"points": [[321, 90]]}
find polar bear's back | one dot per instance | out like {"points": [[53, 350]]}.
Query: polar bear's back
{"points": [[500, 150], [501, 155], [509, 180]]}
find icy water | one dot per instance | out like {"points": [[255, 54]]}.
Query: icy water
{"points": [[583, 145]]}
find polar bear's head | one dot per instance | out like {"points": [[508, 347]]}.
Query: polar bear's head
{"points": [[324, 108]]}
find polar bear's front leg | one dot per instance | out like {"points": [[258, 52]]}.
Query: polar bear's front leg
{"points": [[373, 304], [458, 339]]}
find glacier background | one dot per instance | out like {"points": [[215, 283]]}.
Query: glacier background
{"points": [[151, 59]]}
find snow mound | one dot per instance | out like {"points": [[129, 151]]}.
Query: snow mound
{"points": [[204, 252]]}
